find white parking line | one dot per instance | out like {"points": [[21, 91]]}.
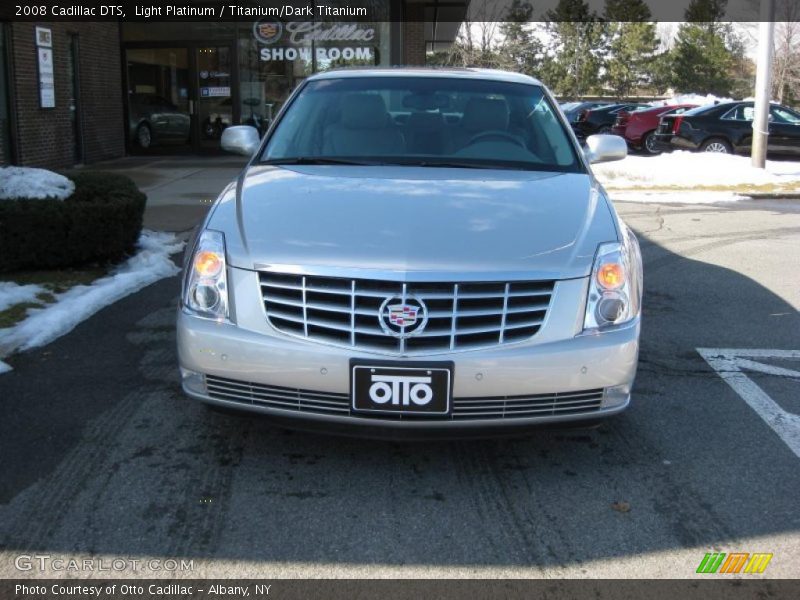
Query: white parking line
{"points": [[730, 364]]}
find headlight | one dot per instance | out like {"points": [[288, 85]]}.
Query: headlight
{"points": [[615, 289], [206, 290]]}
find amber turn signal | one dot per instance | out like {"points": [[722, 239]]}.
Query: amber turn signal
{"points": [[207, 264], [611, 276]]}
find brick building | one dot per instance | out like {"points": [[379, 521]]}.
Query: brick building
{"points": [[81, 92]]}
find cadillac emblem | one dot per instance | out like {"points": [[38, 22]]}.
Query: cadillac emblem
{"points": [[267, 31], [403, 319]]}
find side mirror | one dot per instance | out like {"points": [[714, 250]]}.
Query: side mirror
{"points": [[605, 148], [240, 139]]}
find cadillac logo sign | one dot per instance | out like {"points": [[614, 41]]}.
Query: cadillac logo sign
{"points": [[403, 315], [403, 319], [267, 31]]}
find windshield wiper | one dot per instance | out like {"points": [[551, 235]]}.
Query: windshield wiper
{"points": [[450, 164], [315, 160]]}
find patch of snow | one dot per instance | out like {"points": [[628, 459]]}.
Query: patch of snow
{"points": [[26, 182], [147, 266], [687, 197], [11, 293], [699, 99], [4, 367], [690, 169]]}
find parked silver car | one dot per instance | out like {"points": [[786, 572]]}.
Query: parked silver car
{"points": [[414, 251]]}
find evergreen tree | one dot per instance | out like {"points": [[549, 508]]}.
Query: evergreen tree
{"points": [[631, 44], [702, 61], [576, 51], [521, 50]]}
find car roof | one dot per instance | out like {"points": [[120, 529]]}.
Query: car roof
{"points": [[667, 107], [454, 72]]}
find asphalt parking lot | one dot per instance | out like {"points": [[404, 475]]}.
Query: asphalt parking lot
{"points": [[103, 456]]}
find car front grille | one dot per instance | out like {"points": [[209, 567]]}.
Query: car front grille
{"points": [[326, 403], [460, 316]]}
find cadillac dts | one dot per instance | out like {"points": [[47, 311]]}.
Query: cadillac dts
{"points": [[414, 252]]}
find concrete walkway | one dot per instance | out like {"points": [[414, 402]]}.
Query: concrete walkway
{"points": [[179, 189]]}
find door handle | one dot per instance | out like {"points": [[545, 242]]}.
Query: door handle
{"points": [[191, 107]]}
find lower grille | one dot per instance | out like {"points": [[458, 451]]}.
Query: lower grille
{"points": [[496, 407], [277, 397], [538, 405]]}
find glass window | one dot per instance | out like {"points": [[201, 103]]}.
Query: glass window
{"points": [[275, 57], [423, 121], [742, 112], [701, 110], [784, 115]]}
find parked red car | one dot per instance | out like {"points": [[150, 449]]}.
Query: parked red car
{"points": [[639, 127]]}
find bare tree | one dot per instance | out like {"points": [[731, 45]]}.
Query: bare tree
{"points": [[786, 57], [478, 37]]}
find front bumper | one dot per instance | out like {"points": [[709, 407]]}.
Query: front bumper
{"points": [[578, 378], [664, 142], [680, 142]]}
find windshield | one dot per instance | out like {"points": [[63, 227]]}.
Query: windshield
{"points": [[422, 121]]}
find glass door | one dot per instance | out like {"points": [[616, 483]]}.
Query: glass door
{"points": [[214, 108], [159, 100]]}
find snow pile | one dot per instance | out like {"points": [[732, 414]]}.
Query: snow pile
{"points": [[697, 99], [11, 293], [44, 325], [25, 182], [689, 170], [682, 197]]}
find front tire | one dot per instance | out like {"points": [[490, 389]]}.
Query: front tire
{"points": [[717, 146], [144, 137]]}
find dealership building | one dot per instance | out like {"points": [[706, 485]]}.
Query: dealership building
{"points": [[75, 93]]}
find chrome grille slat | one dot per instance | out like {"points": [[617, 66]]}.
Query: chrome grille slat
{"points": [[510, 407], [436, 296], [526, 407], [544, 398], [487, 312], [461, 315]]}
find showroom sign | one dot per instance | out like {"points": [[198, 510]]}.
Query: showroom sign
{"points": [[298, 36]]}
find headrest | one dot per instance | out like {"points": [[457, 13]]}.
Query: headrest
{"points": [[364, 111], [482, 114]]}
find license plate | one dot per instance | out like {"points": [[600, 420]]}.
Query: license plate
{"points": [[392, 388]]}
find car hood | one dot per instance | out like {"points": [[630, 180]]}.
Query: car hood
{"points": [[390, 222]]}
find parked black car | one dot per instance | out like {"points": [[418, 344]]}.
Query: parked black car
{"points": [[728, 128], [601, 119], [573, 110]]}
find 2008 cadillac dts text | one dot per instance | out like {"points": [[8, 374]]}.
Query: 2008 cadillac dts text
{"points": [[414, 252]]}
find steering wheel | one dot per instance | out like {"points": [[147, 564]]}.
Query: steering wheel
{"points": [[504, 135]]}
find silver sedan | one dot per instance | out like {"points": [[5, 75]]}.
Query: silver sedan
{"points": [[414, 252]]}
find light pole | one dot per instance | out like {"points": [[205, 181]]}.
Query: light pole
{"points": [[766, 30]]}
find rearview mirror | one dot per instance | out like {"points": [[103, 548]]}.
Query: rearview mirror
{"points": [[605, 148], [240, 139]]}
